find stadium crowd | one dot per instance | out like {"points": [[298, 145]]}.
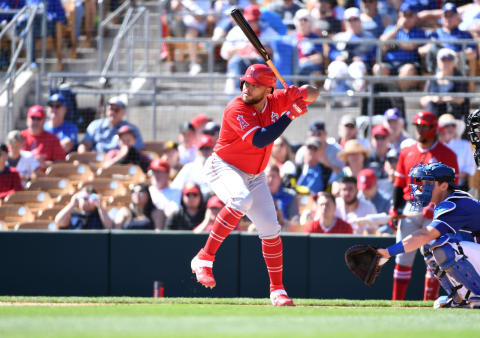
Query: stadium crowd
{"points": [[324, 185]]}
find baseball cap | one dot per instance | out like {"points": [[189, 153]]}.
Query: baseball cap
{"points": [[348, 119], [36, 111], [366, 178], [447, 53], [117, 100], [392, 114], [352, 12], [312, 141], [392, 154], [449, 7], [125, 129], [191, 187], [380, 129], [317, 125], [214, 202], [408, 7], [160, 165], [200, 119], [205, 141], [57, 97], [187, 126], [211, 128], [251, 13]]}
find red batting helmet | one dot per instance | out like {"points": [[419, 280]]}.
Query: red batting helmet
{"points": [[259, 74], [429, 119]]}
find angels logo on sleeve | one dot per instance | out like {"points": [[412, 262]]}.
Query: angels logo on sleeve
{"points": [[242, 122], [274, 116]]}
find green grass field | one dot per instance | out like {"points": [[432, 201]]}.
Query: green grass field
{"points": [[204, 317]]}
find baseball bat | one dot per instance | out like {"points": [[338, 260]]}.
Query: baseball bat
{"points": [[379, 219], [252, 37]]}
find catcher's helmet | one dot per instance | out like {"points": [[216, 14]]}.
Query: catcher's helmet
{"points": [[429, 119], [259, 74], [473, 131], [423, 177]]}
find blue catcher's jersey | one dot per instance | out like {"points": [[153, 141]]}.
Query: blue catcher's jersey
{"points": [[458, 212]]}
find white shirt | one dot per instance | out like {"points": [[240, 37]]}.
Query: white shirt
{"points": [[192, 172], [235, 38], [27, 163], [364, 208], [186, 155], [466, 162], [166, 199]]}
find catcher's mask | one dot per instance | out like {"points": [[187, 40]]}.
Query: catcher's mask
{"points": [[422, 182], [473, 131]]}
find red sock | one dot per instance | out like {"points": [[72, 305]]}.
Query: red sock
{"points": [[272, 253], [401, 278], [227, 219], [431, 286]]}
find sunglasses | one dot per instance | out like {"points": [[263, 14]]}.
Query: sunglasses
{"points": [[380, 137], [36, 118], [408, 14], [55, 106], [192, 195], [115, 109], [349, 125], [205, 148], [303, 20], [451, 125], [310, 147], [353, 19]]}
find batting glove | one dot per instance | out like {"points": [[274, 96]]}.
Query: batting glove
{"points": [[298, 108], [293, 93], [393, 222]]}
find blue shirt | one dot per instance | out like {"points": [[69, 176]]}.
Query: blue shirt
{"points": [[459, 211], [374, 27], [284, 199], [423, 4], [65, 131], [55, 11], [401, 55], [312, 178], [454, 35], [366, 51], [104, 137], [10, 4]]}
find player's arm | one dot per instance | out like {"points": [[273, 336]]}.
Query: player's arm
{"points": [[411, 242], [264, 136]]}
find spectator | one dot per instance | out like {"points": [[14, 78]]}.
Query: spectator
{"points": [[349, 206], [371, 18], [65, 131], [199, 122], [350, 59], [282, 157], [26, 164], [186, 146], [329, 151], [395, 125], [101, 134], [325, 221], [284, 198], [214, 205], [127, 154], [446, 34], [386, 186], [239, 52], [172, 156], [402, 58], [439, 105], [165, 198], [355, 157], [192, 209], [310, 54], [450, 130], [193, 171], [348, 130], [314, 175], [141, 213], [367, 185], [324, 22], [286, 9], [471, 18], [45, 146], [9, 178], [380, 146], [84, 211], [212, 129]]}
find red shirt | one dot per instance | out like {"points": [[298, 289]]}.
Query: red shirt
{"points": [[413, 155], [239, 124], [9, 182], [46, 144], [340, 227]]}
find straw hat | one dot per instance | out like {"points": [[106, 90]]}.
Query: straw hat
{"points": [[447, 119], [352, 147]]}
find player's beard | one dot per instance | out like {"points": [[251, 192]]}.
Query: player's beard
{"points": [[252, 101], [352, 201]]}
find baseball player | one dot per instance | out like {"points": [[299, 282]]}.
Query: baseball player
{"points": [[427, 149], [473, 131], [251, 123], [449, 243]]}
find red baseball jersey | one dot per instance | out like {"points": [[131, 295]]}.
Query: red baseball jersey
{"points": [[413, 155], [239, 124], [46, 144], [9, 182], [340, 227]]}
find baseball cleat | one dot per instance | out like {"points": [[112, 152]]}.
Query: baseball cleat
{"points": [[280, 298], [202, 268]]}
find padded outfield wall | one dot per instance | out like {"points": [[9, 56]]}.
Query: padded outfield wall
{"points": [[126, 263]]}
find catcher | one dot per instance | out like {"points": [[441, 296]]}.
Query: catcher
{"points": [[449, 243]]}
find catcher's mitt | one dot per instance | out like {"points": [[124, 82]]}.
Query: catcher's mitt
{"points": [[364, 262]]}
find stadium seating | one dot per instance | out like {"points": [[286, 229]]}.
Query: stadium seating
{"points": [[87, 157], [33, 199], [37, 225], [106, 186], [48, 214], [76, 173], [53, 185], [12, 214], [127, 173], [155, 146]]}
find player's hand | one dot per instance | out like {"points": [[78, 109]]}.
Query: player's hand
{"points": [[298, 108], [393, 222], [427, 212], [293, 93]]}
